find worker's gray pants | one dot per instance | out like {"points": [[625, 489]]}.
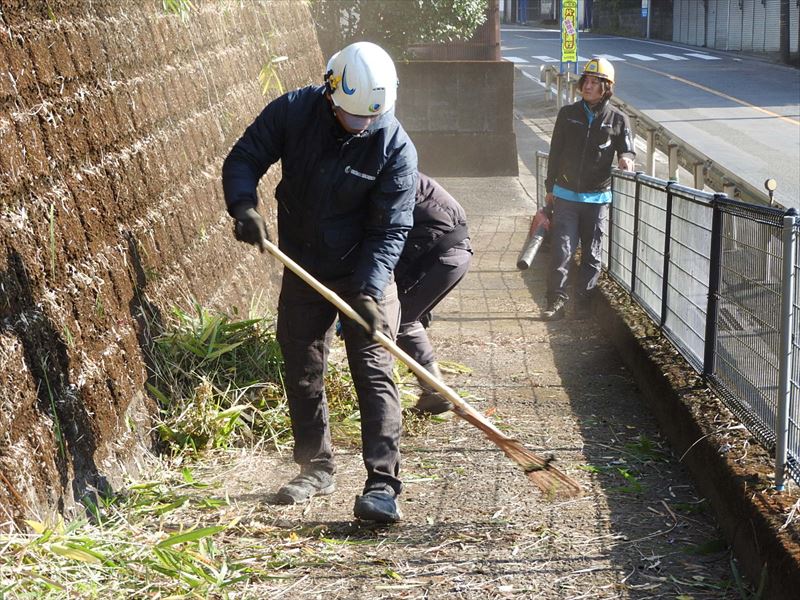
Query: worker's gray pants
{"points": [[439, 279], [575, 222], [304, 334]]}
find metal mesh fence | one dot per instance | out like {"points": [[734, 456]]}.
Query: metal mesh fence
{"points": [[619, 253], [651, 222], [710, 270], [541, 174], [749, 315], [684, 318], [793, 441]]}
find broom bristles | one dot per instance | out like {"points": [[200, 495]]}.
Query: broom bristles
{"points": [[551, 481]]}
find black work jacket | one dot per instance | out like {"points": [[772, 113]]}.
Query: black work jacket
{"points": [[345, 202], [439, 224], [581, 154]]}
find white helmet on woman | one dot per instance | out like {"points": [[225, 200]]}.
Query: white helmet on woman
{"points": [[361, 80]]}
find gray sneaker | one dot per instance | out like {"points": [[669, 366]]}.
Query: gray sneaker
{"points": [[311, 482], [378, 504]]}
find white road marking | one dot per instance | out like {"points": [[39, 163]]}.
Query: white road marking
{"points": [[547, 59], [515, 59], [611, 57], [671, 56], [641, 57], [702, 56]]}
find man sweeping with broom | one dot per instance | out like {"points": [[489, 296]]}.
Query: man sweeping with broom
{"points": [[345, 204]]}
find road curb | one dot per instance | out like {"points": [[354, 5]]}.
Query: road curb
{"points": [[747, 511]]}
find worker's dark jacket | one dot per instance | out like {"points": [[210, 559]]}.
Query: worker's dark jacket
{"points": [[581, 153], [439, 224], [345, 202]]}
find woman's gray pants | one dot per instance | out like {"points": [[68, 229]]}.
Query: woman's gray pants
{"points": [[575, 222]]}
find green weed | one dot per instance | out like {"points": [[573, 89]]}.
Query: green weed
{"points": [[268, 76], [645, 449], [180, 8], [219, 382], [122, 553]]}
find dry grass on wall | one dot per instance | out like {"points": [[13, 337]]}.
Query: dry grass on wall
{"points": [[115, 117]]}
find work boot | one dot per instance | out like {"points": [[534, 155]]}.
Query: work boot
{"points": [[379, 504], [555, 310], [431, 402], [311, 482]]}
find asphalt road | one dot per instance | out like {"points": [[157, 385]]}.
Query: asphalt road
{"points": [[742, 112]]}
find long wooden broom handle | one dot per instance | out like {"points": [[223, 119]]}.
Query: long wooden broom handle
{"points": [[462, 406]]}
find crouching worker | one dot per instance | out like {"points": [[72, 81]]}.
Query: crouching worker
{"points": [[345, 206], [436, 257]]}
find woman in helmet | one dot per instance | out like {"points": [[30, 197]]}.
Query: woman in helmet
{"points": [[345, 206], [586, 137]]}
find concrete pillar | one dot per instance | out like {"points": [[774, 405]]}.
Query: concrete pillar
{"points": [[559, 90], [650, 160], [699, 175], [673, 162]]}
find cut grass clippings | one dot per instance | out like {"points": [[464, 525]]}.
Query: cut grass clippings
{"points": [[219, 384]]}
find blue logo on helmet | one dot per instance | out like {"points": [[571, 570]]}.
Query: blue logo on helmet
{"points": [[345, 88]]}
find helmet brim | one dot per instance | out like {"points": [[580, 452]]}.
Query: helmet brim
{"points": [[360, 123], [352, 122]]}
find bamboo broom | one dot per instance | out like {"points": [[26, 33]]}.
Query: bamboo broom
{"points": [[551, 481]]}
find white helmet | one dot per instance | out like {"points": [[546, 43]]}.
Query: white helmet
{"points": [[362, 80]]}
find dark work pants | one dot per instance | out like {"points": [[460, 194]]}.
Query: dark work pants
{"points": [[575, 222], [442, 277], [304, 334]]}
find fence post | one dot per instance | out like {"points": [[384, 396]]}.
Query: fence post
{"points": [[538, 181], [667, 251], [547, 77], [635, 245], [650, 160], [673, 162], [559, 90], [714, 276], [611, 220], [786, 354], [699, 176]]}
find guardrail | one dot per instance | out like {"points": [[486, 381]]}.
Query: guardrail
{"points": [[717, 276], [705, 172]]}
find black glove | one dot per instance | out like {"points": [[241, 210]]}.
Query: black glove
{"points": [[250, 227], [369, 310]]}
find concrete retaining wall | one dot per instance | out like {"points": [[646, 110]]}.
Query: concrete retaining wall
{"points": [[460, 116]]}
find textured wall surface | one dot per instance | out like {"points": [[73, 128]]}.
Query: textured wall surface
{"points": [[460, 116], [115, 117]]}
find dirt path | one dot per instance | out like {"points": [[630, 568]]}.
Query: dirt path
{"points": [[474, 526]]}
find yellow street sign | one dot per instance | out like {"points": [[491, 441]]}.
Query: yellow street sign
{"points": [[569, 31]]}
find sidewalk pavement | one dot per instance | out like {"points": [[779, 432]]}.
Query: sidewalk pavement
{"points": [[474, 526], [566, 386]]}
